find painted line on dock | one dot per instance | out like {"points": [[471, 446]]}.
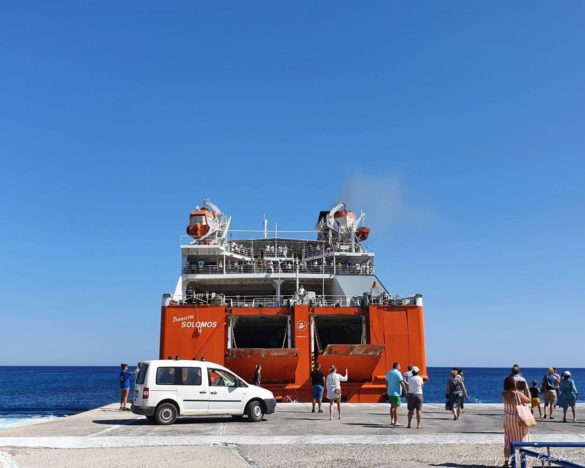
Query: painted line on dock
{"points": [[154, 441]]}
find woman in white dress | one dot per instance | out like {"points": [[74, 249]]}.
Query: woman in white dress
{"points": [[333, 384]]}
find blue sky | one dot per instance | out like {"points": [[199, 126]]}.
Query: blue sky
{"points": [[457, 127]]}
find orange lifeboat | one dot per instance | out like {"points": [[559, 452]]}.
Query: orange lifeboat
{"points": [[362, 233], [343, 214], [199, 222]]}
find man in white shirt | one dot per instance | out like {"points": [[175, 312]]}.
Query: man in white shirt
{"points": [[414, 397]]}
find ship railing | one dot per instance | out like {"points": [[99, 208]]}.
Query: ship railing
{"points": [[255, 267], [308, 297], [281, 248]]}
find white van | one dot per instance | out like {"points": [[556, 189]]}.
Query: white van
{"points": [[165, 389]]}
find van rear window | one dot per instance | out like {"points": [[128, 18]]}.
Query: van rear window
{"points": [[190, 376], [166, 376], [178, 376], [141, 374]]}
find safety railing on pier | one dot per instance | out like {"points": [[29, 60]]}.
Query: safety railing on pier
{"points": [[520, 452]]}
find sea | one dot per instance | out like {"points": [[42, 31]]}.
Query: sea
{"points": [[30, 395]]}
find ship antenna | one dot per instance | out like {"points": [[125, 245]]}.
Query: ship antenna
{"points": [[265, 222]]}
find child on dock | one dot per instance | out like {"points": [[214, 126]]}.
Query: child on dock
{"points": [[535, 399]]}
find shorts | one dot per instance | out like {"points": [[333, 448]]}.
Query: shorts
{"points": [[550, 396], [535, 402], [414, 401], [317, 392], [394, 400]]}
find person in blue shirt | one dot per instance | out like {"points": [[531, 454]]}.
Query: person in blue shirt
{"points": [[395, 385], [125, 377]]}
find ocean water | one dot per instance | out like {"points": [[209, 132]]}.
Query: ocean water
{"points": [[34, 394]]}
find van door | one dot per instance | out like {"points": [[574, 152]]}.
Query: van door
{"points": [[225, 394], [192, 391]]}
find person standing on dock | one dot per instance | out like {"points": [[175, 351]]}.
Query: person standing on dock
{"points": [[318, 385], [334, 389], [514, 429], [521, 383], [456, 392], [257, 379], [125, 377], [568, 395], [395, 385], [535, 398], [414, 397], [549, 388]]}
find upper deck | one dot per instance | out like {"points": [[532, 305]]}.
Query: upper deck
{"points": [[278, 265]]}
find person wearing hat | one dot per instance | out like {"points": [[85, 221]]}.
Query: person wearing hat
{"points": [[125, 377], [568, 395], [414, 397]]}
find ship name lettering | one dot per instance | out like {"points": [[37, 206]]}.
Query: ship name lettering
{"points": [[180, 319], [199, 325]]}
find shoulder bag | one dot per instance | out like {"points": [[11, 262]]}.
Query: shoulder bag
{"points": [[524, 414]]}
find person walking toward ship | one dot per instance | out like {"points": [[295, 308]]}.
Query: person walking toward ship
{"points": [[514, 429], [462, 377], [334, 390], [395, 385], [257, 379], [318, 384], [456, 392], [124, 378], [535, 398], [521, 383], [549, 384], [414, 397], [568, 395]]}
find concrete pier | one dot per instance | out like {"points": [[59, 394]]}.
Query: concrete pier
{"points": [[292, 436]]}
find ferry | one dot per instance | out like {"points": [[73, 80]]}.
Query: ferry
{"points": [[285, 302]]}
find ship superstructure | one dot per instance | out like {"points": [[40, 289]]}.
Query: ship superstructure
{"points": [[285, 303]]}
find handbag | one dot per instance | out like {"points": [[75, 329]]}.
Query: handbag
{"points": [[524, 414]]}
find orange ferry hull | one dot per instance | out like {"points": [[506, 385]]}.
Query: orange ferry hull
{"points": [[394, 333]]}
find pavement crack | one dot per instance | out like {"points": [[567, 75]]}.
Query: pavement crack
{"points": [[238, 452]]}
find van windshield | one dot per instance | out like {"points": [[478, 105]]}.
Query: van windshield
{"points": [[141, 374]]}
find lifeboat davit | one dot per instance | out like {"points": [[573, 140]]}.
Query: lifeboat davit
{"points": [[199, 222]]}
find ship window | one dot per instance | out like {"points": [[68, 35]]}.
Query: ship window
{"points": [[267, 331], [339, 329]]}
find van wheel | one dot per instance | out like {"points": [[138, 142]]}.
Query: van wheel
{"points": [[165, 414], [255, 412]]}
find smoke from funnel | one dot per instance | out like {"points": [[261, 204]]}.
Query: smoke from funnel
{"points": [[381, 198]]}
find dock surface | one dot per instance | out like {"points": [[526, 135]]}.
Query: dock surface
{"points": [[292, 436]]}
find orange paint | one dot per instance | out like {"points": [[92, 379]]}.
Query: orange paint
{"points": [[394, 333]]}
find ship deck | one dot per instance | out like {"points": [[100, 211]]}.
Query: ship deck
{"points": [[106, 437]]}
